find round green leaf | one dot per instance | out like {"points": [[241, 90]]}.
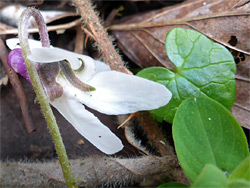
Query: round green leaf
{"points": [[203, 68], [211, 177], [205, 132], [242, 171], [239, 183]]}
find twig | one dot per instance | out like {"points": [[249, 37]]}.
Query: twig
{"points": [[79, 40], [239, 4], [241, 107], [50, 28], [18, 88], [238, 77], [142, 25], [111, 17]]}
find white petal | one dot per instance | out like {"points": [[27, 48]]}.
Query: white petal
{"points": [[88, 125], [89, 68], [101, 66], [50, 55], [119, 93], [15, 43]]}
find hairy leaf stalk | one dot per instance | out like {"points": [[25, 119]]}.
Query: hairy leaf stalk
{"points": [[100, 35], [38, 88]]}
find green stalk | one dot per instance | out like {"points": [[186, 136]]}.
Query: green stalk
{"points": [[38, 88]]}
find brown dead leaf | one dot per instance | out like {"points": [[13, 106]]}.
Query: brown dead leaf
{"points": [[142, 38], [241, 108]]}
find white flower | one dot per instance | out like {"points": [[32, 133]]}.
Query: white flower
{"points": [[115, 93]]}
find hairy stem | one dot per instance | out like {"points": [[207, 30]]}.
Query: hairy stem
{"points": [[38, 88], [100, 35]]}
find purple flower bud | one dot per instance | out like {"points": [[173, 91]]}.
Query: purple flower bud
{"points": [[16, 62]]}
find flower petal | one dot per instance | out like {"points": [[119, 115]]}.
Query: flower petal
{"points": [[91, 67], [119, 93], [88, 125], [50, 55], [101, 66], [14, 43]]}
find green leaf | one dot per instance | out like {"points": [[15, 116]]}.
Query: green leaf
{"points": [[212, 177], [242, 171], [239, 183], [205, 132], [172, 185], [203, 68]]}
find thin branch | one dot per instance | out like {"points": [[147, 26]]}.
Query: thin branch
{"points": [[50, 28], [142, 25], [79, 40], [242, 78], [241, 107], [170, 9], [239, 4]]}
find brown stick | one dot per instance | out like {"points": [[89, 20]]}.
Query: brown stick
{"points": [[18, 88], [50, 28], [79, 40], [180, 21]]}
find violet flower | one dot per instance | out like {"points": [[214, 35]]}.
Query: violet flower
{"points": [[93, 84]]}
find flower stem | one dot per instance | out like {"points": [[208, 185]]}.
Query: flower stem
{"points": [[37, 85]]}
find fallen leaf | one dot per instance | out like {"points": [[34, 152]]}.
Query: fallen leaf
{"points": [[142, 37], [241, 108]]}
